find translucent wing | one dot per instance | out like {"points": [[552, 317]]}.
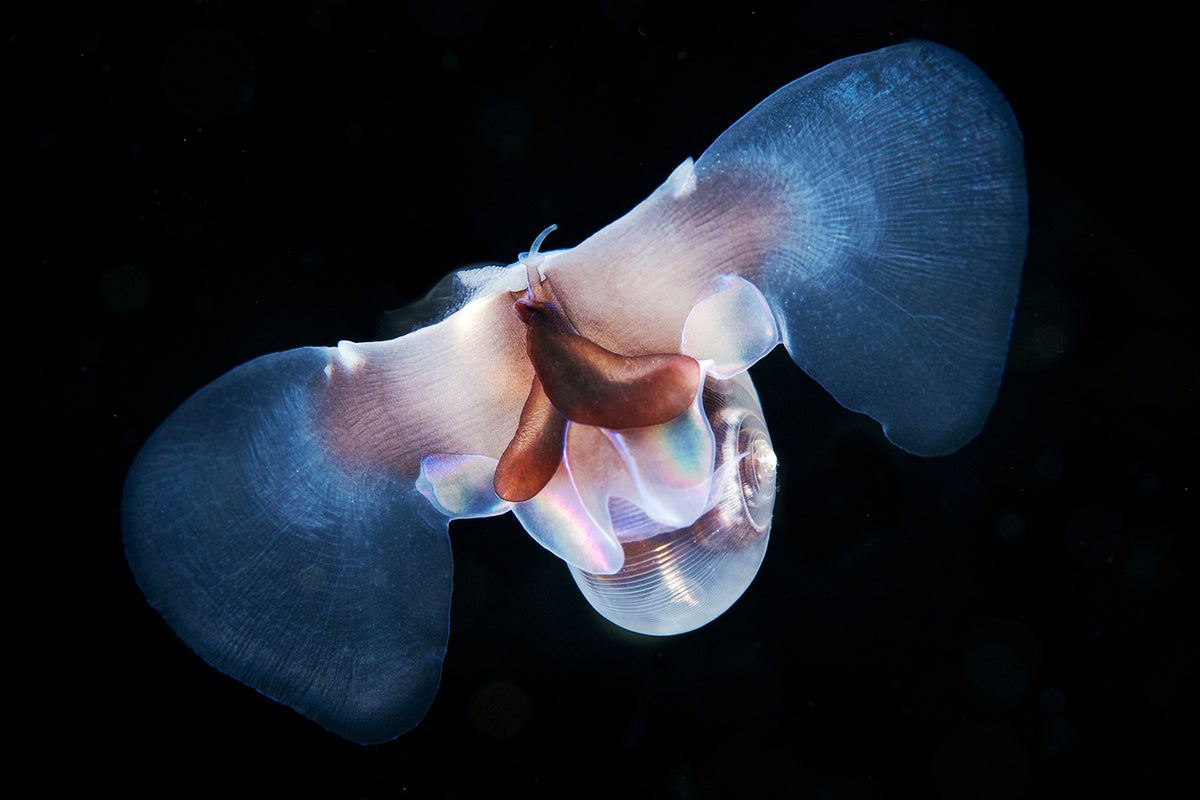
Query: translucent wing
{"points": [[878, 204], [275, 521]]}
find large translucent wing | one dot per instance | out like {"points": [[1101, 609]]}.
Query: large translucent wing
{"points": [[879, 205], [896, 272], [275, 522]]}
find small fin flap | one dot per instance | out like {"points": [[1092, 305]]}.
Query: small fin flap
{"points": [[460, 486], [732, 326]]}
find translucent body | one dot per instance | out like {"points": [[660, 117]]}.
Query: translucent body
{"points": [[290, 519]]}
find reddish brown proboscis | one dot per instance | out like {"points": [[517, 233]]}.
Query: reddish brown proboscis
{"points": [[532, 457]]}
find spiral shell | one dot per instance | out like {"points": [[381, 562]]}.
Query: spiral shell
{"points": [[677, 580]]}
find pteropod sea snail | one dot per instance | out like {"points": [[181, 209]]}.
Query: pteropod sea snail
{"points": [[290, 519]]}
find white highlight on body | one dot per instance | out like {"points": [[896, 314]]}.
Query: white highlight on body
{"points": [[682, 181]]}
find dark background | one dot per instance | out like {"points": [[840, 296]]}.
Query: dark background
{"points": [[206, 181]]}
